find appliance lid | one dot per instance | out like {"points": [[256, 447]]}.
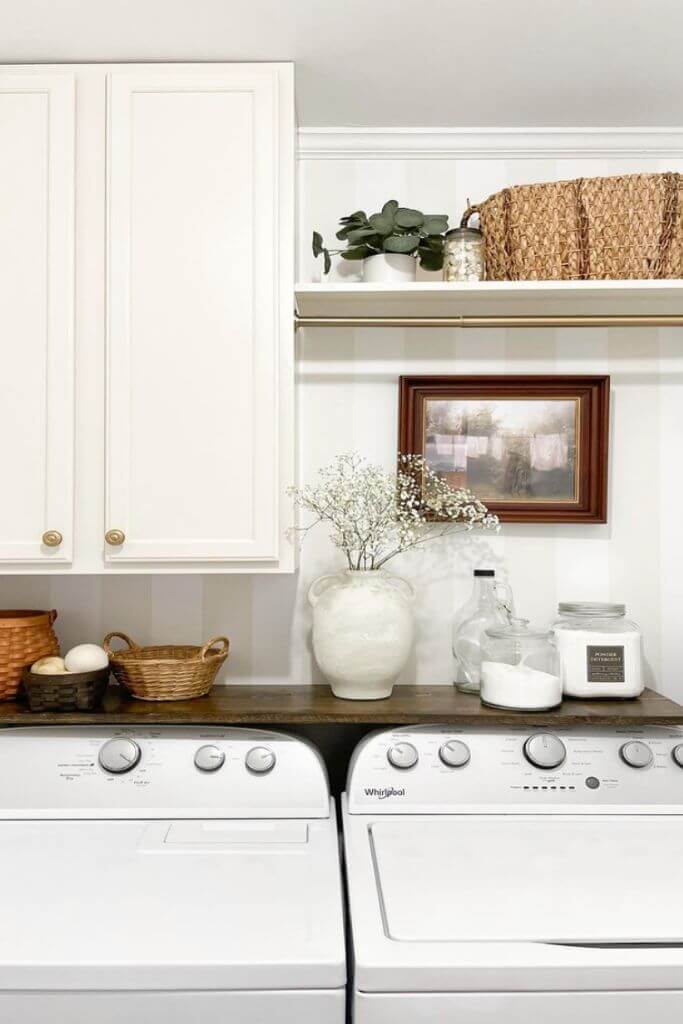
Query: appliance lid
{"points": [[169, 905], [566, 880]]}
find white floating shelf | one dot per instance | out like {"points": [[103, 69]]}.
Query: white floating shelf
{"points": [[491, 299]]}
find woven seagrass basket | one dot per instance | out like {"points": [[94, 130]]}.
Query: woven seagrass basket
{"points": [[589, 229], [168, 671], [25, 636]]}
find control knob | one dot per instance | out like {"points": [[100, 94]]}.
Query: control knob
{"points": [[454, 754], [209, 758], [260, 760], [636, 754], [677, 754], [119, 755], [402, 755], [543, 750]]}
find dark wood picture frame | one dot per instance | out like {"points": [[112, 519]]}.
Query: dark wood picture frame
{"points": [[592, 438]]}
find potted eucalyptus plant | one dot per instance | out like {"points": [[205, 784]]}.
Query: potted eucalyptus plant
{"points": [[390, 243]]}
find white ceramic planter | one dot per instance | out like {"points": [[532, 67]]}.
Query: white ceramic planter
{"points": [[362, 631], [389, 266]]}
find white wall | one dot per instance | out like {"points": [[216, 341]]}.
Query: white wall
{"points": [[529, 62], [347, 398]]}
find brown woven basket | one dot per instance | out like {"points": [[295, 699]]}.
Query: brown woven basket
{"points": [[626, 227], [167, 672], [25, 636], [80, 691]]}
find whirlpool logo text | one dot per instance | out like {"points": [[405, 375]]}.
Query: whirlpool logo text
{"points": [[384, 792]]}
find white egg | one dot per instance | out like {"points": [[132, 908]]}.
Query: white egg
{"points": [[86, 658], [49, 666]]}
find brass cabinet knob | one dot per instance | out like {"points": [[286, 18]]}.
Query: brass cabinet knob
{"points": [[52, 538], [115, 537]]}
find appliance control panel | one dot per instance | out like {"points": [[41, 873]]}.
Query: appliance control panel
{"points": [[163, 772], [445, 769]]}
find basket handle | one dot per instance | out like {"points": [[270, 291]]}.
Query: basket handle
{"points": [[206, 654], [468, 214], [132, 646]]}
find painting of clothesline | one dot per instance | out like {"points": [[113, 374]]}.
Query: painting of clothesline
{"points": [[506, 450], [533, 448]]}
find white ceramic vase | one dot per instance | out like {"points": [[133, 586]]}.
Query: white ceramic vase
{"points": [[362, 631], [389, 266]]}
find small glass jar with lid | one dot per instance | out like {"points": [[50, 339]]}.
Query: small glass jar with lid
{"points": [[464, 252], [520, 668], [600, 650]]}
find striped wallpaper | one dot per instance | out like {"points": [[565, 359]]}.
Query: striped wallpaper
{"points": [[347, 399]]}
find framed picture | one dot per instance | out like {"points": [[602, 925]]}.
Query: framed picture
{"points": [[533, 449]]}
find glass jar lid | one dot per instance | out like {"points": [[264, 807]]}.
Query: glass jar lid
{"points": [[516, 629], [464, 233], [591, 609]]}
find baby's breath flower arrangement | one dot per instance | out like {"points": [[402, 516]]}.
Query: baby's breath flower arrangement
{"points": [[374, 515]]}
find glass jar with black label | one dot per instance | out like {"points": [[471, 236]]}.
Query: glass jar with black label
{"points": [[600, 650]]}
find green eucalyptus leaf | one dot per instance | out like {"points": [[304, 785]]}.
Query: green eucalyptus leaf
{"points": [[327, 264], [382, 223], [359, 217], [358, 234], [407, 218], [317, 245], [389, 209], [435, 224], [434, 242], [359, 252], [429, 259], [401, 243]]}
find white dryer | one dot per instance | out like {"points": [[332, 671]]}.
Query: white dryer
{"points": [[516, 875], [173, 875]]}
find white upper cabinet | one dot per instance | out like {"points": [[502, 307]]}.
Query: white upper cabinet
{"points": [[193, 340], [36, 316], [184, 334]]}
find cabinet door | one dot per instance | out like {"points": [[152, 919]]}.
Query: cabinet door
{"points": [[36, 314], [197, 283]]}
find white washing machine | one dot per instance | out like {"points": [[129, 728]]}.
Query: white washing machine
{"points": [[516, 875], [171, 875]]}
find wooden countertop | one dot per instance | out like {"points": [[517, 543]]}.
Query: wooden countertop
{"points": [[267, 704]]}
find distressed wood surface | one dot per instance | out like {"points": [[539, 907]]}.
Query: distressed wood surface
{"points": [[266, 704]]}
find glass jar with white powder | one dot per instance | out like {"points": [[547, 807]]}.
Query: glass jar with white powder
{"points": [[519, 668], [600, 650]]}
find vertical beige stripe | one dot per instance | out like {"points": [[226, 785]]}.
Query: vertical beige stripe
{"points": [[78, 600], [127, 606], [666, 506], [634, 518], [176, 609], [227, 610]]}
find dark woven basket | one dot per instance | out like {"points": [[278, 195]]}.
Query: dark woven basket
{"points": [[75, 691]]}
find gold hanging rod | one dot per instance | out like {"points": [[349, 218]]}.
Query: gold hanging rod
{"points": [[608, 320]]}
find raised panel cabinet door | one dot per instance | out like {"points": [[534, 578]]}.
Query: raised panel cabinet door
{"points": [[197, 282], [36, 316]]}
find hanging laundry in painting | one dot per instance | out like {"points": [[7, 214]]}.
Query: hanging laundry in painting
{"points": [[497, 447], [477, 445], [548, 451]]}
